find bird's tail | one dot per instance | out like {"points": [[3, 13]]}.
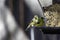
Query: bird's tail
{"points": [[28, 27]]}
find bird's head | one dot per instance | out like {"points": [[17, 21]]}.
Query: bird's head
{"points": [[35, 19]]}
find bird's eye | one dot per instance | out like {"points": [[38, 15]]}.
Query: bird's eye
{"points": [[35, 18], [32, 21], [38, 22], [42, 18]]}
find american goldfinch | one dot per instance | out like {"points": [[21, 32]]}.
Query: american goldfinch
{"points": [[40, 22], [33, 22], [36, 21]]}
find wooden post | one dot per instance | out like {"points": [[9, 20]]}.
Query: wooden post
{"points": [[11, 5], [21, 12]]}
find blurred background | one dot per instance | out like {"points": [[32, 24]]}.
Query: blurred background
{"points": [[23, 15]]}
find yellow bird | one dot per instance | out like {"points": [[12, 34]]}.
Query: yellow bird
{"points": [[36, 21], [33, 22]]}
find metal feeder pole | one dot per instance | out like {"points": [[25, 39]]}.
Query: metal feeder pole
{"points": [[32, 33]]}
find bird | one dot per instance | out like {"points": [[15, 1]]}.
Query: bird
{"points": [[36, 22], [33, 21], [40, 22]]}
